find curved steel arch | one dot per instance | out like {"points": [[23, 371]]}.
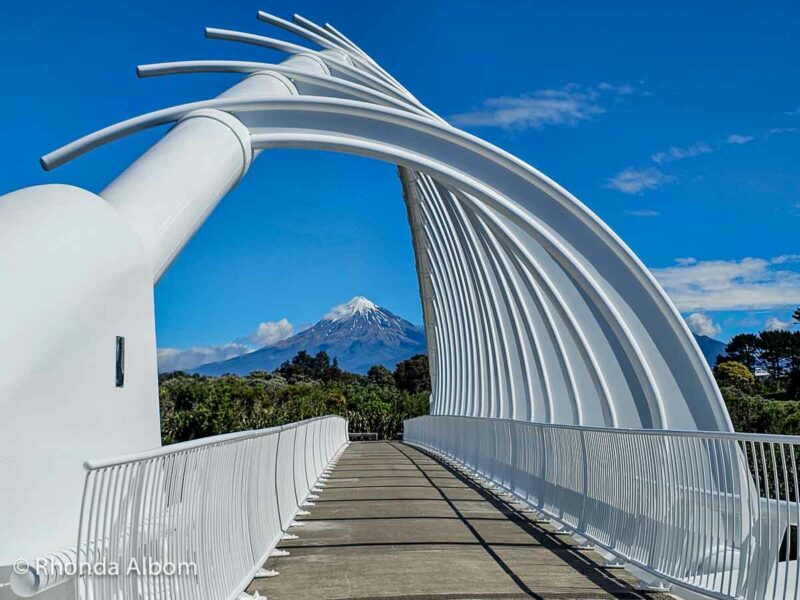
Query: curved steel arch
{"points": [[534, 309]]}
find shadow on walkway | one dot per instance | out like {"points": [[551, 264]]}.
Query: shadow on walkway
{"points": [[395, 523]]}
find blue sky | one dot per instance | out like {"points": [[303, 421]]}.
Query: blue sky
{"points": [[679, 124]]}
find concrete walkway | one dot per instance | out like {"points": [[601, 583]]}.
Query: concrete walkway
{"points": [[393, 523]]}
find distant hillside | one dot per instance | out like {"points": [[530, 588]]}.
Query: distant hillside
{"points": [[710, 347], [359, 334]]}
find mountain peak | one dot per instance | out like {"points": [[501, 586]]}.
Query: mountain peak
{"points": [[359, 305], [358, 333]]}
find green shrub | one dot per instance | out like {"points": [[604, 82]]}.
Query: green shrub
{"points": [[194, 406], [754, 414], [736, 375]]}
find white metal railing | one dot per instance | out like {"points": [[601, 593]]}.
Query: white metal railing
{"points": [[712, 513], [191, 521]]}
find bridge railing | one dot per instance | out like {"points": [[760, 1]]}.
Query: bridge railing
{"points": [[193, 521], [712, 513]]}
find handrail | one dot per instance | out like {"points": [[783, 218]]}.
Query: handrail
{"points": [[91, 465], [213, 508], [709, 512], [755, 437]]}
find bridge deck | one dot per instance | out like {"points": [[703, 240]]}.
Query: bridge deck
{"points": [[393, 522]]}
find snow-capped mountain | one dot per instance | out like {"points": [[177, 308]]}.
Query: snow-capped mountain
{"points": [[359, 333]]}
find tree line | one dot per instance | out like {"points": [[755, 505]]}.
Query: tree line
{"points": [[768, 404], [776, 352], [196, 406]]}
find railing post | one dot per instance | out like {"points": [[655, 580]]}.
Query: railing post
{"points": [[681, 506], [277, 476], [581, 525]]}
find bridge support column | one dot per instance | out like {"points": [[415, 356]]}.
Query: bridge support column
{"points": [[180, 180], [169, 191]]}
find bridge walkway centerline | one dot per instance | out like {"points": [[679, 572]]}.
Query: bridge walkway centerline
{"points": [[394, 523]]}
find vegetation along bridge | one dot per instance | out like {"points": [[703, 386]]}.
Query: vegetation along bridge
{"points": [[565, 385]]}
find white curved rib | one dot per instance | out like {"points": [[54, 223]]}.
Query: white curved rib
{"points": [[413, 161], [492, 363], [503, 333], [462, 284], [442, 274], [478, 370], [335, 84], [511, 167], [522, 315], [366, 56], [346, 44], [311, 102], [502, 387], [320, 41], [289, 48]]}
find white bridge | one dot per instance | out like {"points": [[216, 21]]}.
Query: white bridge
{"points": [[561, 372]]}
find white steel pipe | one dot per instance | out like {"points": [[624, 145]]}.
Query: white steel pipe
{"points": [[644, 371], [169, 192]]}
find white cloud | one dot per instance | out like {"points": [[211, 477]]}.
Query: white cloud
{"points": [[179, 359], [786, 258], [675, 153], [635, 181], [738, 139], [565, 106], [266, 334], [702, 324], [269, 333], [793, 113], [746, 284], [622, 90], [645, 212], [775, 324], [544, 107], [631, 179]]}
